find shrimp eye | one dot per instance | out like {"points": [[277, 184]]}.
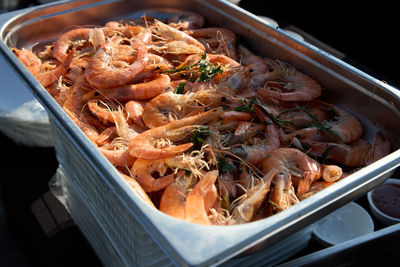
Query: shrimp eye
{"points": [[223, 99], [183, 74], [158, 68], [251, 70], [270, 69], [206, 109], [96, 94]]}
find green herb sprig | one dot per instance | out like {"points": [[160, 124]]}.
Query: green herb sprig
{"points": [[246, 107], [321, 125], [180, 89], [199, 135], [224, 166], [206, 69]]}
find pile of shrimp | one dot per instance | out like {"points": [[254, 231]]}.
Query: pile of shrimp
{"points": [[199, 126]]}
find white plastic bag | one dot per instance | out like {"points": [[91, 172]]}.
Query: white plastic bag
{"points": [[28, 125], [22, 117]]}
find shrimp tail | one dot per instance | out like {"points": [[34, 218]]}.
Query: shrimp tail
{"points": [[331, 173]]}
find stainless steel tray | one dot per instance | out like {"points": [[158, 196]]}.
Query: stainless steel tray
{"points": [[120, 211]]}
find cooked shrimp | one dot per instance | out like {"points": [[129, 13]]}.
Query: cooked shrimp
{"points": [[138, 189], [45, 73], [229, 116], [174, 48], [341, 127], [247, 58], [256, 152], [380, 148], [97, 38], [106, 135], [128, 31], [59, 91], [227, 184], [210, 199], [103, 71], [150, 72], [223, 60], [293, 116], [227, 65], [302, 169], [331, 173], [168, 33], [291, 85], [186, 21], [156, 59], [355, 154], [253, 154], [135, 111], [169, 106], [70, 40], [282, 195], [216, 40], [143, 170], [190, 86], [144, 145], [235, 79], [256, 69], [249, 204], [245, 131], [315, 188], [76, 68], [173, 199], [203, 67], [138, 91], [118, 157], [162, 109], [116, 150], [104, 113], [75, 101], [86, 128], [195, 207]]}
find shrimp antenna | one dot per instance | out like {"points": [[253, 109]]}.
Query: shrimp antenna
{"points": [[220, 38], [145, 20]]}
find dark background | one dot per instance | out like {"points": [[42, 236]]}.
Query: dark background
{"points": [[366, 33]]}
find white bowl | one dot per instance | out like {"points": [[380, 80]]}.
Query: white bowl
{"points": [[346, 223], [295, 35], [378, 214], [269, 21]]}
